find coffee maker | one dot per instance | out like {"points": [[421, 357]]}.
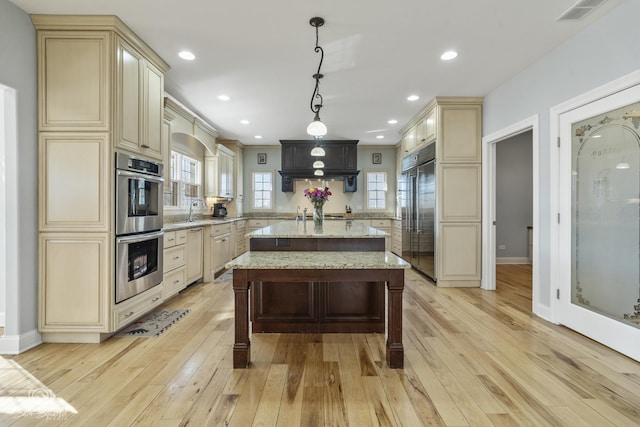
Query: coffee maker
{"points": [[219, 210]]}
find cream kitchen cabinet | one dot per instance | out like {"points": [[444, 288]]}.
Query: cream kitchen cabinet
{"points": [[217, 249], [454, 125], [219, 172], [99, 89], [74, 286], [194, 254], [239, 241], [174, 256], [396, 236], [139, 103]]}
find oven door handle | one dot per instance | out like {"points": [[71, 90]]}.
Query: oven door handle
{"points": [[139, 237], [139, 175]]}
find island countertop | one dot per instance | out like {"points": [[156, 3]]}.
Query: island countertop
{"points": [[330, 229], [313, 260]]}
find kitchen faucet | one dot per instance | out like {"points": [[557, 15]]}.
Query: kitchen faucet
{"points": [[297, 213], [192, 204], [304, 216]]}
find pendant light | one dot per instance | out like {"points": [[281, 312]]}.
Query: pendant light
{"points": [[316, 128], [318, 172], [318, 164]]}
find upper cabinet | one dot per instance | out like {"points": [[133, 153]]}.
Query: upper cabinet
{"points": [[219, 172], [455, 123], [99, 76], [139, 102]]}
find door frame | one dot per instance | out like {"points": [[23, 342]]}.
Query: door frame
{"points": [[489, 205], [9, 341]]}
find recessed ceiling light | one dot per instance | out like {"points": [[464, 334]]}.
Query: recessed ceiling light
{"points": [[245, 122], [380, 136], [413, 98], [223, 97], [258, 137], [392, 121], [449, 55], [186, 55]]}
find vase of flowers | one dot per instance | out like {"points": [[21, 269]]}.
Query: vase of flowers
{"points": [[317, 196]]}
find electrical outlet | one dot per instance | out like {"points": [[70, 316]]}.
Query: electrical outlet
{"points": [[502, 247]]}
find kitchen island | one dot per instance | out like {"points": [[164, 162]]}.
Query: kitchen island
{"points": [[354, 304], [319, 276]]}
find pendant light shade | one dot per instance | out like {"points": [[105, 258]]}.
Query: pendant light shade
{"points": [[318, 164], [318, 172], [316, 127], [318, 151]]}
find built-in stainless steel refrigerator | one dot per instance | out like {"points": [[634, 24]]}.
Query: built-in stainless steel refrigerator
{"points": [[417, 197]]}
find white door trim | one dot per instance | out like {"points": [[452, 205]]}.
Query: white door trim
{"points": [[9, 342], [555, 267], [489, 204]]}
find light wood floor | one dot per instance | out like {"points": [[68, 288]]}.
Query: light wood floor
{"points": [[472, 358]]}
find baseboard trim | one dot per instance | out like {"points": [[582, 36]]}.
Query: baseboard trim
{"points": [[16, 344], [512, 260]]}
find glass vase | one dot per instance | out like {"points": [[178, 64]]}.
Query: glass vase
{"points": [[318, 216]]}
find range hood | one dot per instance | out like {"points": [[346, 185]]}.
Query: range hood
{"points": [[341, 161]]}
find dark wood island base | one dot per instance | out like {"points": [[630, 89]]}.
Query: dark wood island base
{"points": [[244, 278]]}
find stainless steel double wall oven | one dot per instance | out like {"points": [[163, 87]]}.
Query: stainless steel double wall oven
{"points": [[139, 235]]}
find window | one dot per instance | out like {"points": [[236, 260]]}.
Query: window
{"points": [[376, 190], [262, 190], [186, 179]]}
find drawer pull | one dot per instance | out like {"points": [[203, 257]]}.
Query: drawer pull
{"points": [[144, 146], [155, 299], [170, 240], [128, 314], [175, 282]]}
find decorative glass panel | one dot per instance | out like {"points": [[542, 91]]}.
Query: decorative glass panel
{"points": [[605, 231]]}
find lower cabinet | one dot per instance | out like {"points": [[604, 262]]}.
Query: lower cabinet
{"points": [[217, 249], [73, 273], [240, 242], [396, 236], [133, 308], [194, 254], [318, 307], [174, 270]]}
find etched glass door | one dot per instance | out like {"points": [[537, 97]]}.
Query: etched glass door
{"points": [[605, 216], [600, 190]]}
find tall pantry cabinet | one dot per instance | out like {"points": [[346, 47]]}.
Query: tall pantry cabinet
{"points": [[100, 89], [454, 124]]}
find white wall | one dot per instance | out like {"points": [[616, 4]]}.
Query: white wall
{"points": [[514, 195], [18, 70], [606, 50], [288, 202]]}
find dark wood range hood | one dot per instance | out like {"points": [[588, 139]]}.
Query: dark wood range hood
{"points": [[340, 161]]}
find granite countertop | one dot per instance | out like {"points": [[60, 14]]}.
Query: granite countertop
{"points": [[307, 260], [200, 222], [330, 229]]}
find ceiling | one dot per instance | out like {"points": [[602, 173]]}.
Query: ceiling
{"points": [[261, 54]]}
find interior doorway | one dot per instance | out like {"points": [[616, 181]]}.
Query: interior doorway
{"points": [[489, 196]]}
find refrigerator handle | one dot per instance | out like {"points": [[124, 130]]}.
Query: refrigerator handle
{"points": [[417, 207]]}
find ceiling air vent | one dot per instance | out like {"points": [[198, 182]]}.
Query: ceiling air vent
{"points": [[580, 10]]}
